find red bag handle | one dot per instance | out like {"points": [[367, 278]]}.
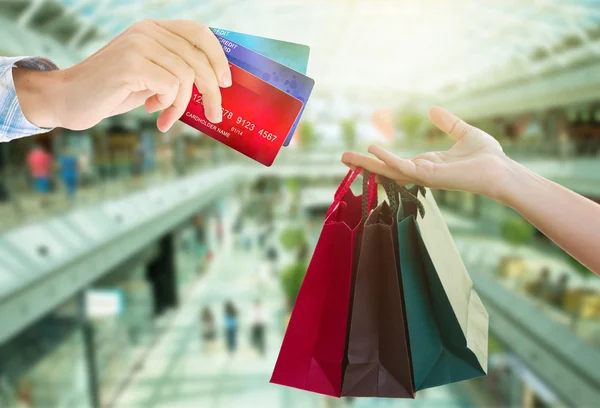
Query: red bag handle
{"points": [[371, 193], [343, 189], [344, 183]]}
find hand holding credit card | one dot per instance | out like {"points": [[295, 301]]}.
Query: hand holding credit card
{"points": [[263, 106], [256, 116]]}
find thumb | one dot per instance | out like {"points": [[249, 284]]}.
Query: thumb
{"points": [[449, 123]]}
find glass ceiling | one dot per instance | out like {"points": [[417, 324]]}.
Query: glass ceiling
{"points": [[385, 46]]}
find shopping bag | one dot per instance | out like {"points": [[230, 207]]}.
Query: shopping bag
{"points": [[313, 347], [378, 359], [447, 322]]}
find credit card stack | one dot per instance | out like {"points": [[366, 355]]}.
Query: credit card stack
{"points": [[269, 91]]}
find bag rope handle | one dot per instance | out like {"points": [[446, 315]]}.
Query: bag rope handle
{"points": [[399, 194], [369, 193]]}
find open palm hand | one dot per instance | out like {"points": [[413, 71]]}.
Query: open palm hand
{"points": [[476, 162]]}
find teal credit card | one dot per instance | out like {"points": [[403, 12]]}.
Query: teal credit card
{"points": [[292, 55]]}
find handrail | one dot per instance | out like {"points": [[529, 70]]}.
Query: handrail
{"points": [[567, 364], [93, 241]]}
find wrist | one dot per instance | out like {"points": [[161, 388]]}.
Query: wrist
{"points": [[516, 179], [39, 97]]}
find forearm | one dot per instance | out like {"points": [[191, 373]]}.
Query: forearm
{"points": [[33, 89], [38, 94], [567, 218]]}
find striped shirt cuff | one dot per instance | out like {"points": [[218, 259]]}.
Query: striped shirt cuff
{"points": [[13, 123]]}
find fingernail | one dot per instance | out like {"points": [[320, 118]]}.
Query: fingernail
{"points": [[226, 79], [163, 129]]}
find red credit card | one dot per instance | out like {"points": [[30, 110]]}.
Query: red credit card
{"points": [[257, 117]]}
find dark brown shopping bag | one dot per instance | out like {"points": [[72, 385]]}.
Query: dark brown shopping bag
{"points": [[447, 322], [378, 355], [312, 352]]}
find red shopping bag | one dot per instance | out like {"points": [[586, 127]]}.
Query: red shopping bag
{"points": [[313, 348]]}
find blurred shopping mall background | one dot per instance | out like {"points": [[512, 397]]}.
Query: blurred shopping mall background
{"points": [[113, 291]]}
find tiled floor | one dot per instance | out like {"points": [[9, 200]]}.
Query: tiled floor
{"points": [[179, 373]]}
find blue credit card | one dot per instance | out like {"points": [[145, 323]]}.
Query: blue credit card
{"points": [[286, 53], [284, 78]]}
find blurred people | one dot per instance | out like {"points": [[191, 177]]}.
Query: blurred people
{"points": [[231, 327], [164, 159], [220, 230], [265, 278], [69, 172], [209, 329], [272, 254], [258, 330], [477, 164], [86, 173], [263, 234], [268, 227], [238, 229], [137, 164], [39, 162], [179, 156], [200, 233], [159, 76]]}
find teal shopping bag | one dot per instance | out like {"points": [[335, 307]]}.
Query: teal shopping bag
{"points": [[447, 322]]}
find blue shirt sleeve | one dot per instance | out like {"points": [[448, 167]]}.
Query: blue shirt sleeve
{"points": [[13, 123]]}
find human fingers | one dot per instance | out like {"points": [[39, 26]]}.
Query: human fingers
{"points": [[201, 37], [185, 75], [211, 98], [146, 75], [132, 101], [404, 169], [211, 95], [430, 171], [205, 78], [374, 165]]}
